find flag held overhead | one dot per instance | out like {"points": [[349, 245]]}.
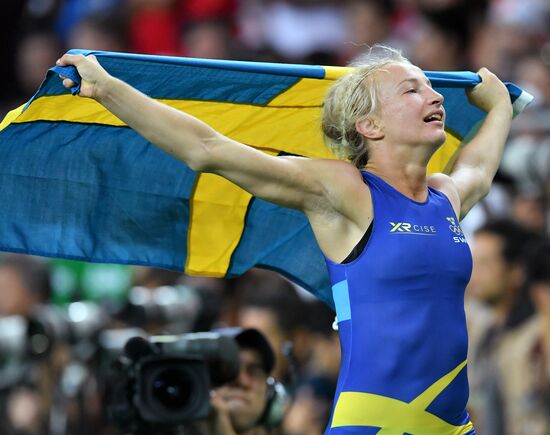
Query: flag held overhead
{"points": [[77, 183]]}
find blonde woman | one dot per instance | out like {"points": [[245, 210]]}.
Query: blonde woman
{"points": [[390, 234]]}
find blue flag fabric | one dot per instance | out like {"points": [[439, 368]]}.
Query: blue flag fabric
{"points": [[79, 184]]}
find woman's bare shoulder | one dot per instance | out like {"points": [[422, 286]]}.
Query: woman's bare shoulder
{"points": [[338, 177], [344, 214], [332, 169], [346, 192]]}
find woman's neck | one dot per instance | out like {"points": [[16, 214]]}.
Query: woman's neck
{"points": [[401, 169]]}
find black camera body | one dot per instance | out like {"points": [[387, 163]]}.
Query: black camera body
{"points": [[165, 381]]}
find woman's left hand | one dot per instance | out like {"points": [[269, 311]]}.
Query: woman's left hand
{"points": [[490, 93]]}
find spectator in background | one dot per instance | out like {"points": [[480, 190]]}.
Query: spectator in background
{"points": [[525, 362], [443, 30], [209, 29], [71, 12], [36, 53], [512, 28], [529, 208], [207, 39], [486, 49], [323, 357], [99, 32], [24, 283], [270, 303], [495, 206], [499, 251], [296, 30], [446, 27], [217, 304], [251, 404], [533, 75], [437, 47], [310, 411], [539, 285], [368, 22], [527, 156]]}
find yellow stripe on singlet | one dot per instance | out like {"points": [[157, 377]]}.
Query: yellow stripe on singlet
{"points": [[396, 417]]}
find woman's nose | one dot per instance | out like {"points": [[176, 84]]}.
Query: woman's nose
{"points": [[437, 98]]}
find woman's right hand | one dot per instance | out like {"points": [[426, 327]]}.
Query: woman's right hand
{"points": [[92, 73]]}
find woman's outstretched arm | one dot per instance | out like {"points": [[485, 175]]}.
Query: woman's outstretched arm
{"points": [[288, 181]]}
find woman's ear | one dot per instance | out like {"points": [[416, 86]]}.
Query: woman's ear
{"points": [[369, 128]]}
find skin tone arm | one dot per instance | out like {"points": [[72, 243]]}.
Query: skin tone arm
{"points": [[219, 421], [477, 163], [317, 187], [190, 140]]}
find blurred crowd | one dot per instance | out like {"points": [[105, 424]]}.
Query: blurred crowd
{"points": [[54, 386]]}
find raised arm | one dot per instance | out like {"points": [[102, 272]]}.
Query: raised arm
{"points": [[478, 161], [292, 182], [330, 192]]}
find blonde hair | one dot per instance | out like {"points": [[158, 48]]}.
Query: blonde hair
{"points": [[352, 97]]}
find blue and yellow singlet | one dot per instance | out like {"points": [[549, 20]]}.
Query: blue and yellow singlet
{"points": [[401, 321]]}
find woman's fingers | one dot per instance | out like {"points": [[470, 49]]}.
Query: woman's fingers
{"points": [[68, 83], [90, 71], [69, 59]]}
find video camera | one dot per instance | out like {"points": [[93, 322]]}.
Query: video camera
{"points": [[163, 382]]}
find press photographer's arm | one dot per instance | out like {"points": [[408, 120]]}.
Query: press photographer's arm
{"points": [[218, 422]]}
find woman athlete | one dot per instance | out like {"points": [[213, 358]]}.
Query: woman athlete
{"points": [[390, 234]]}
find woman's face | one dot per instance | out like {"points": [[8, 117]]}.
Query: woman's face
{"points": [[411, 111]]}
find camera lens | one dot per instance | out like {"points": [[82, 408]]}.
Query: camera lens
{"points": [[172, 388]]}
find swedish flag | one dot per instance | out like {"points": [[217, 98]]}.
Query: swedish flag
{"points": [[79, 184]]}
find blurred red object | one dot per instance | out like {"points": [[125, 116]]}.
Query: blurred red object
{"points": [[154, 31], [193, 10]]}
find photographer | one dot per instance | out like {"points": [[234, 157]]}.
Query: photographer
{"points": [[251, 404], [25, 385]]}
